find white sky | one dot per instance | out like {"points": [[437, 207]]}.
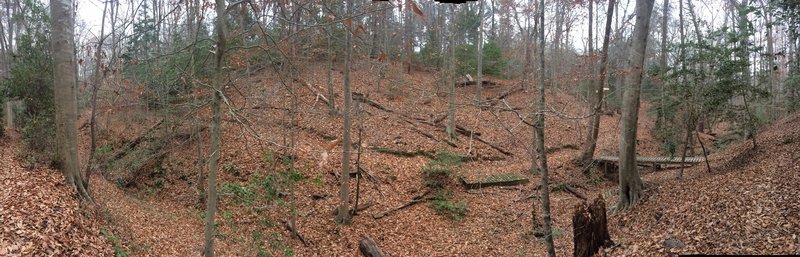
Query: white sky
{"points": [[91, 11]]}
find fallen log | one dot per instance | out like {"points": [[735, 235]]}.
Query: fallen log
{"points": [[135, 142], [494, 146], [362, 98], [485, 83], [575, 192], [368, 248], [505, 94], [417, 199]]}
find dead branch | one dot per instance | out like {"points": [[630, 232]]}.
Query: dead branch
{"points": [[417, 199]]}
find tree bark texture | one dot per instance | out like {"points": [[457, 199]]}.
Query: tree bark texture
{"points": [[630, 183], [216, 132], [65, 83]]}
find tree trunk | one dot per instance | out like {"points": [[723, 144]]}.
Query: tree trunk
{"points": [[661, 119], [451, 84], [479, 78], [99, 75], [65, 83], [331, 54], [630, 183], [409, 34], [590, 228], [216, 132], [594, 128], [343, 215], [548, 232]]}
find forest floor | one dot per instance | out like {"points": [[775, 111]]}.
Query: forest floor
{"points": [[747, 204]]}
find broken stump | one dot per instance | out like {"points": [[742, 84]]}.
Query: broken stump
{"points": [[590, 228], [368, 248]]}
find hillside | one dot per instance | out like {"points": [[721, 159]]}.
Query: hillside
{"points": [[747, 204]]}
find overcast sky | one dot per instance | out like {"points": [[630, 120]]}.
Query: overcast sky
{"points": [[91, 11]]}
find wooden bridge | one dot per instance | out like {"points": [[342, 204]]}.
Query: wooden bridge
{"points": [[653, 159], [610, 164]]}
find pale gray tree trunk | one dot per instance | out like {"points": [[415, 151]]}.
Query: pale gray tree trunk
{"points": [[343, 215], [545, 189], [662, 116], [65, 83], [216, 131], [630, 183], [479, 78], [451, 83]]}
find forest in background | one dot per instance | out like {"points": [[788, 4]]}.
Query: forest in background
{"points": [[263, 95]]}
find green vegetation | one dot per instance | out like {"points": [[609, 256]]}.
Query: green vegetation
{"points": [[31, 80], [119, 251], [442, 204], [437, 176]]}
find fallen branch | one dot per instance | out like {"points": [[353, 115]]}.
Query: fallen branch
{"points": [[296, 233], [575, 192], [314, 90], [494, 146], [417, 199]]}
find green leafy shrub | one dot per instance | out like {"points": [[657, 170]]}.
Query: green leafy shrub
{"points": [[444, 206]]}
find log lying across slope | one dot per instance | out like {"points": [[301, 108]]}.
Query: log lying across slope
{"points": [[459, 129]]}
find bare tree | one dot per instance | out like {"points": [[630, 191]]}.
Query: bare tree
{"points": [[545, 189], [65, 83], [343, 216], [630, 183], [216, 131], [99, 75], [479, 78], [590, 144]]}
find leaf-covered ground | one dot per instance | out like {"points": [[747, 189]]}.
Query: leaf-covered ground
{"points": [[39, 214], [748, 204]]}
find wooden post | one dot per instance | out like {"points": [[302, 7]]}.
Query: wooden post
{"points": [[590, 228]]}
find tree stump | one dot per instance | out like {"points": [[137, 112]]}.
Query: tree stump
{"points": [[590, 228], [368, 248]]}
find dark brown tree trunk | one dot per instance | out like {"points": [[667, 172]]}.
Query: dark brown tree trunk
{"points": [[590, 228], [369, 248], [545, 189], [594, 128]]}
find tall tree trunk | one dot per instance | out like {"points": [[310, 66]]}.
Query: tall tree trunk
{"points": [[99, 75], [409, 36], [630, 183], [594, 128], [661, 119], [545, 189], [331, 54], [451, 83], [65, 83], [216, 131], [479, 78], [343, 215]]}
